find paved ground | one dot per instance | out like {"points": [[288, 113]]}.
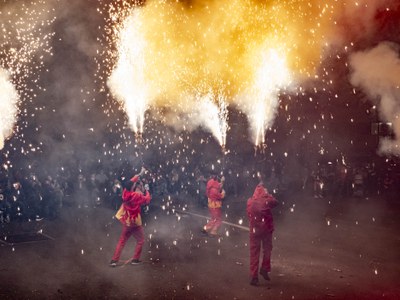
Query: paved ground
{"points": [[323, 249]]}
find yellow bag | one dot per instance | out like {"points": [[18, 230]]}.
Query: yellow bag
{"points": [[127, 220], [121, 211]]}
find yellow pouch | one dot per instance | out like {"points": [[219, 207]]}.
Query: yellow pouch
{"points": [[121, 211]]}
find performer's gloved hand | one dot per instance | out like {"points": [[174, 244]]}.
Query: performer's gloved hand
{"points": [[146, 187]]}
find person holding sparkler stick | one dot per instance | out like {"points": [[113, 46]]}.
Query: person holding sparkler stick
{"points": [[134, 196]]}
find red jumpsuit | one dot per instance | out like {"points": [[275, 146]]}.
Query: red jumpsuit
{"points": [[261, 228], [215, 194], [131, 221]]}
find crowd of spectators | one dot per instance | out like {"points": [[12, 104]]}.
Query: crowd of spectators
{"points": [[358, 180], [28, 195]]}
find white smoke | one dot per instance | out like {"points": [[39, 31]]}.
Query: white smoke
{"points": [[8, 106], [377, 72]]}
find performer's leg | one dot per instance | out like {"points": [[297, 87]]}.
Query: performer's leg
{"points": [[267, 249], [255, 245], [138, 234], [217, 216], [125, 234]]}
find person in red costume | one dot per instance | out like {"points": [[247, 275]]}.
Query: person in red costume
{"points": [[215, 194], [261, 227], [133, 197]]}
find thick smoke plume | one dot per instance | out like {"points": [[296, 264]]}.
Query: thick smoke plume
{"points": [[377, 72]]}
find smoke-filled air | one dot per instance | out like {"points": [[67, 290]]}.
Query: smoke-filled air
{"points": [[200, 149], [377, 72]]}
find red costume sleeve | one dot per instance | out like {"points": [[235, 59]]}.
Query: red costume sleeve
{"points": [[135, 178]]}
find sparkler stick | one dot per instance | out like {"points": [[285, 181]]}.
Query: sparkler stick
{"points": [[260, 148], [139, 142], [224, 152]]}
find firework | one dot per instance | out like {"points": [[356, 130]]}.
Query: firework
{"points": [[256, 47], [8, 103], [161, 50], [271, 76], [24, 43], [214, 115]]}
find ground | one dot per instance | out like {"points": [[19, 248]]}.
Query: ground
{"points": [[336, 248]]}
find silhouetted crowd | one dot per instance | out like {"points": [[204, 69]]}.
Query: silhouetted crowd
{"points": [[360, 180], [27, 196]]}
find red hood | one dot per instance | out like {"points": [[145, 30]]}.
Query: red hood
{"points": [[261, 194], [259, 209], [260, 191]]}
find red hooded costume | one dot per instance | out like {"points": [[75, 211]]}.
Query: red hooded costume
{"points": [[261, 228], [259, 209], [132, 202], [215, 194]]}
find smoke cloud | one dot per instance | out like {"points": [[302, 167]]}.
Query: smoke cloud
{"points": [[357, 20], [377, 72]]}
